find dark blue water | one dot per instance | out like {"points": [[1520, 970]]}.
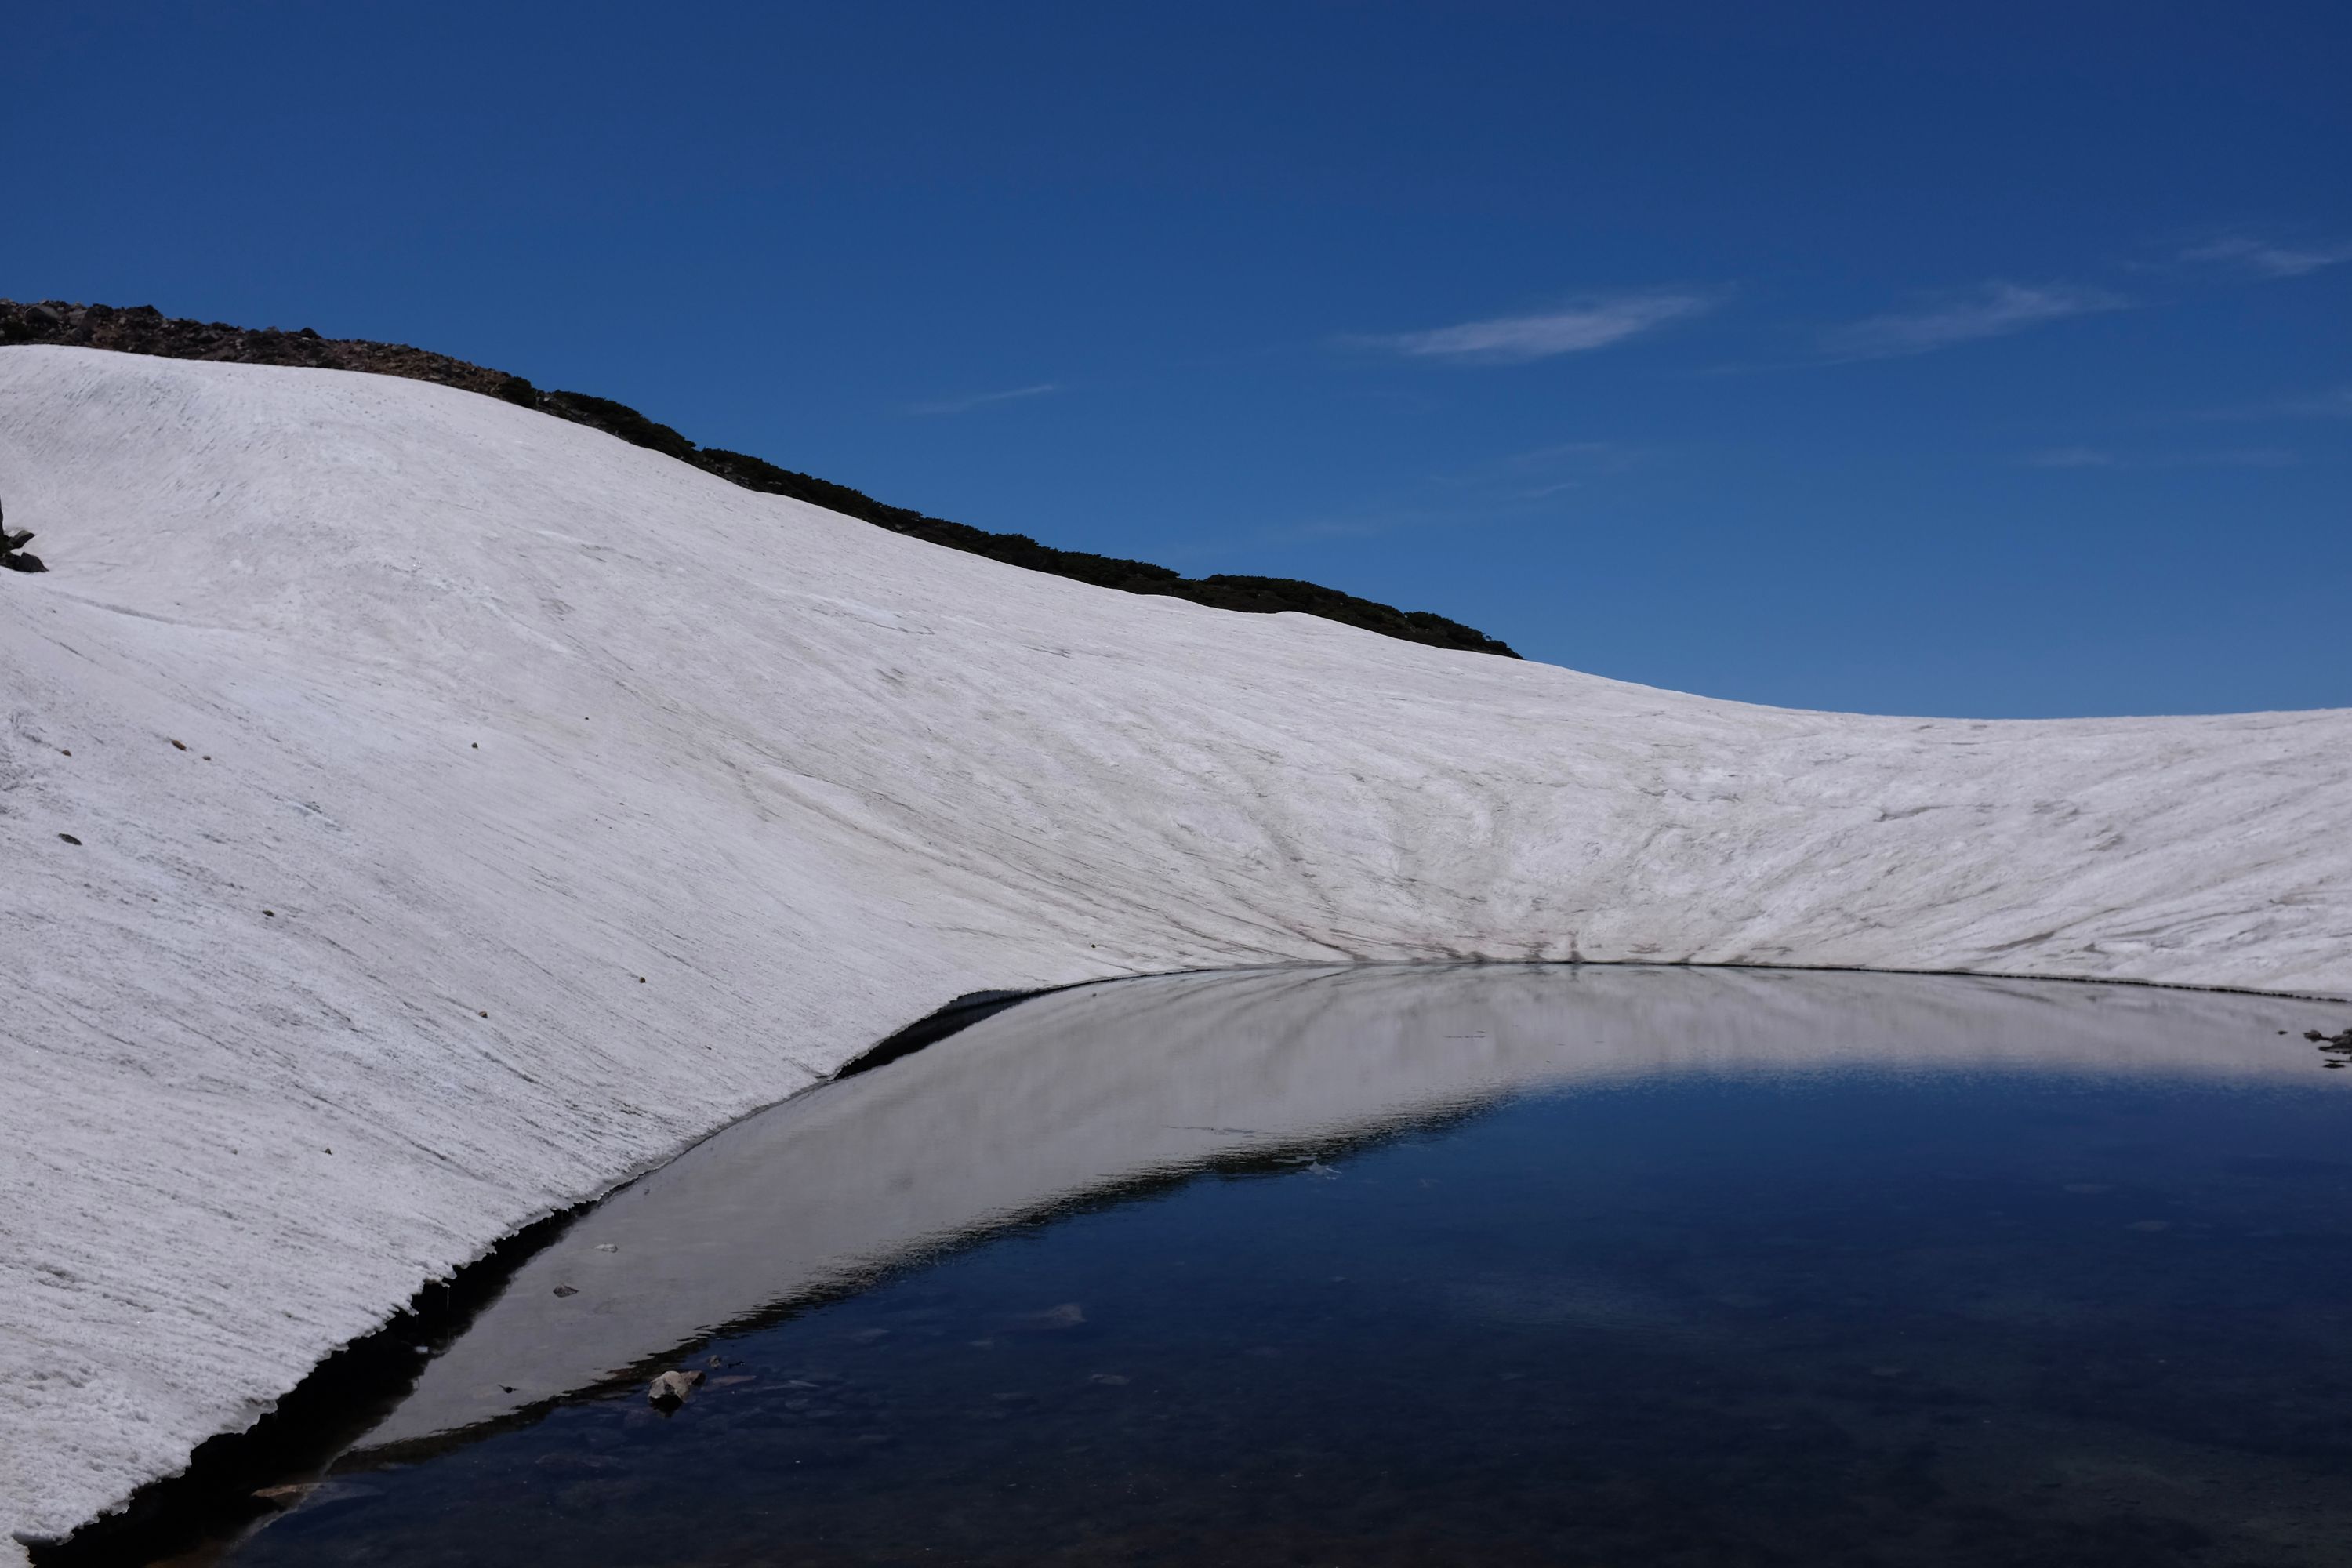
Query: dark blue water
{"points": [[1782, 1319]]}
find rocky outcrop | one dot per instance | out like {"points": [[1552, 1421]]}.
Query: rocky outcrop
{"points": [[144, 330], [12, 550]]}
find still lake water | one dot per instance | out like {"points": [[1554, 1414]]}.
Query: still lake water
{"points": [[1445, 1266]]}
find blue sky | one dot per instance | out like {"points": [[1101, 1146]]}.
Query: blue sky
{"points": [[1987, 360]]}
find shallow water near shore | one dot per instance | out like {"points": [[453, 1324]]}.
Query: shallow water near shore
{"points": [[1441, 1266]]}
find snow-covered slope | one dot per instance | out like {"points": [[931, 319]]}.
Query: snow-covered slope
{"points": [[546, 803]]}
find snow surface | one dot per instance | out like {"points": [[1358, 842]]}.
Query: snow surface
{"points": [[499, 715]]}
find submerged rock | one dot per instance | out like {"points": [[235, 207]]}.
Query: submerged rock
{"points": [[672, 1389]]}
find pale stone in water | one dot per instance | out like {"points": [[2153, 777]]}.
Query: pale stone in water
{"points": [[672, 1389]]}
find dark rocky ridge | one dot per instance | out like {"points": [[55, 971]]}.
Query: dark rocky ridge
{"points": [[143, 329]]}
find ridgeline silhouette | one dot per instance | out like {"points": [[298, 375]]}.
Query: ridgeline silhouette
{"points": [[143, 329]]}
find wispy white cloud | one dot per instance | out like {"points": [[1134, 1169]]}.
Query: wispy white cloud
{"points": [[1578, 328], [983, 399], [1541, 471], [2336, 405], [1515, 489], [1993, 310], [1565, 466], [2225, 458], [2070, 457], [2269, 259], [1581, 454]]}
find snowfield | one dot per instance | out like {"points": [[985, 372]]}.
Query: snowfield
{"points": [[546, 804]]}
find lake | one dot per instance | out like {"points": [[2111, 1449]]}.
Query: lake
{"points": [[1442, 1265]]}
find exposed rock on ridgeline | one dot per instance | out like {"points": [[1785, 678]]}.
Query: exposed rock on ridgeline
{"points": [[144, 330]]}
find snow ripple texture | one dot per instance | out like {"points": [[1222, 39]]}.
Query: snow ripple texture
{"points": [[488, 716]]}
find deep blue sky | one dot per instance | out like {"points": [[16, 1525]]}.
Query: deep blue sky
{"points": [[1967, 359]]}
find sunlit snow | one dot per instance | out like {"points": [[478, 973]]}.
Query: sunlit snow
{"points": [[474, 810]]}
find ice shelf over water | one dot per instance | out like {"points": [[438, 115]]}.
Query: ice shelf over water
{"points": [[474, 810]]}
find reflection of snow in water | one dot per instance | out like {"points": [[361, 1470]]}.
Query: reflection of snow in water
{"points": [[1091, 1088], [1678, 1317]]}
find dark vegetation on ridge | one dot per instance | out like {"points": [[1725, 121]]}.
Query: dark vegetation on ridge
{"points": [[143, 329]]}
